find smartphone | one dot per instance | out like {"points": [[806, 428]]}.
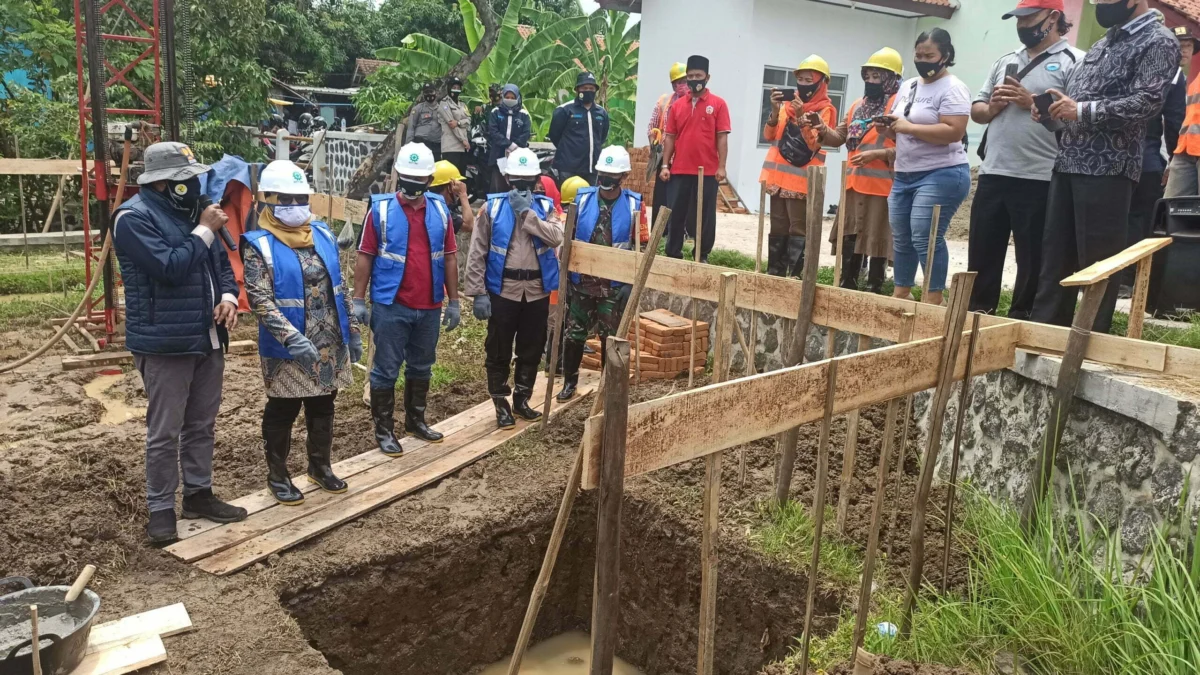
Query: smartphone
{"points": [[1010, 70], [788, 94], [882, 119], [1042, 103]]}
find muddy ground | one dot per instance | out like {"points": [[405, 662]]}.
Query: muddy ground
{"points": [[434, 583]]}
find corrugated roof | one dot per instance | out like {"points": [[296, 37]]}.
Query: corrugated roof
{"points": [[1189, 8]]}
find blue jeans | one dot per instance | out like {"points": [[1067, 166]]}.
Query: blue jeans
{"points": [[910, 210], [403, 335]]}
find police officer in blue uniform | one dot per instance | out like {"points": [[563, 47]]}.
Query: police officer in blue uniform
{"points": [[579, 129]]}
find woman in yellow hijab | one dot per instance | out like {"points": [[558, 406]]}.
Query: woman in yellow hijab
{"points": [[307, 337]]}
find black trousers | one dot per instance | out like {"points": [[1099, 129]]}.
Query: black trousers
{"points": [[458, 159], [1086, 221], [661, 195], [1146, 194], [1004, 205], [681, 193], [281, 413], [522, 323]]}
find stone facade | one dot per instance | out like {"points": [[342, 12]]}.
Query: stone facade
{"points": [[344, 153]]}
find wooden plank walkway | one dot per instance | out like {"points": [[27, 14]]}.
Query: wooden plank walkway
{"points": [[374, 480]]}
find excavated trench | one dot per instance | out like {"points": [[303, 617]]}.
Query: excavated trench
{"points": [[454, 606]]}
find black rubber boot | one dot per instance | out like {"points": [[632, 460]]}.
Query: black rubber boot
{"points": [[572, 357], [777, 255], [383, 409], [415, 394], [795, 256], [497, 383], [523, 380], [161, 528], [851, 264], [204, 505], [876, 273], [277, 442], [320, 446]]}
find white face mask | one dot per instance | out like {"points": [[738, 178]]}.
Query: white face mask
{"points": [[293, 215]]}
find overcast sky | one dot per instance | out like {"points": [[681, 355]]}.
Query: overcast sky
{"points": [[590, 6]]}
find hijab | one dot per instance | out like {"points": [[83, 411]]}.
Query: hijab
{"points": [[870, 108], [292, 237]]}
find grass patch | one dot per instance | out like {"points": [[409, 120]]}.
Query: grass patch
{"points": [[32, 310], [785, 533], [1182, 337]]}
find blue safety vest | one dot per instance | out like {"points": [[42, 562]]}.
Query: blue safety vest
{"points": [[391, 231], [625, 213], [503, 222], [287, 278]]}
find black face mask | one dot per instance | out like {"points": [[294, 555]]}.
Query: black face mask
{"points": [[806, 91], [522, 184], [410, 188], [1113, 14], [1032, 36], [697, 86], [586, 97], [455, 94], [184, 194], [928, 69], [430, 97], [873, 89], [605, 182]]}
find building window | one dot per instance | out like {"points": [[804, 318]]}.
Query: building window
{"points": [[778, 78]]}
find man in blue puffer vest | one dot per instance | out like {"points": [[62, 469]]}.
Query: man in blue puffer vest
{"points": [[180, 302], [608, 216], [511, 270], [407, 255]]}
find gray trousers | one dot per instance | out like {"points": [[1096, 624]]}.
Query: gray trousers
{"points": [[1182, 180], [184, 394]]}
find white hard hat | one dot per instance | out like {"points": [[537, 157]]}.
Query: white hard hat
{"points": [[414, 159], [285, 177], [522, 162], [613, 159]]}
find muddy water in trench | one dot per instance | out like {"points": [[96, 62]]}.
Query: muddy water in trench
{"points": [[566, 654], [116, 410]]}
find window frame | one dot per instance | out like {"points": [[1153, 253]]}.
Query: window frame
{"points": [[837, 96]]}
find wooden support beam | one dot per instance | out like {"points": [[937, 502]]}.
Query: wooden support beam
{"points": [[605, 598], [956, 315], [697, 246], [929, 256], [564, 289], [964, 400], [117, 358], [54, 204], [849, 451], [839, 245], [1104, 269], [722, 350], [1141, 293], [692, 424], [10, 166], [762, 218]]}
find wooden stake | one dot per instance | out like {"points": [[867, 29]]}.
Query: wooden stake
{"points": [[605, 602], [808, 294], [637, 325], [722, 351], [697, 244], [62, 224], [564, 290], [899, 471], [956, 316], [964, 399], [573, 479], [881, 476], [838, 244], [1141, 292], [1064, 397], [819, 511], [937, 216], [54, 204], [849, 451], [21, 195], [36, 637], [762, 218]]}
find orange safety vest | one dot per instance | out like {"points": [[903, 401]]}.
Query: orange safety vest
{"points": [[1189, 135], [777, 170], [873, 178]]}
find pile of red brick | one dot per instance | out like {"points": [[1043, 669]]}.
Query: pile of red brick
{"points": [[665, 342], [636, 181]]}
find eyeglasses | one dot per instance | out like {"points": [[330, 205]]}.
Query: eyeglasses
{"points": [[288, 200]]}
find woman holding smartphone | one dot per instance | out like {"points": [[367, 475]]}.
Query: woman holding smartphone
{"points": [[929, 123]]}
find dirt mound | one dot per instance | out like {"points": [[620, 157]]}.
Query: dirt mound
{"points": [[886, 665]]}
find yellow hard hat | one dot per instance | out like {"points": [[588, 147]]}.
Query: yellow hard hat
{"points": [[886, 59], [814, 62], [570, 186], [444, 172], [678, 71]]}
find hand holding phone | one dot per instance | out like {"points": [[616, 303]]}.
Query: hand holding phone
{"points": [[1010, 70], [1041, 103], [788, 95]]}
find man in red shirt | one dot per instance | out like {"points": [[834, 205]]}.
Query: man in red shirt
{"points": [[408, 254], [697, 136]]}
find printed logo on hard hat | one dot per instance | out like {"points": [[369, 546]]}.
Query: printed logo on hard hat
{"points": [[608, 160], [181, 189], [523, 161], [413, 158], [297, 176]]}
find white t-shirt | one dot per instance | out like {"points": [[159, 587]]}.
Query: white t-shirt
{"points": [[946, 97]]}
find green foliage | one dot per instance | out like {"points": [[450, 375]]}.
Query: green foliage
{"points": [[46, 128], [36, 38], [786, 534], [225, 44], [214, 139], [33, 310]]}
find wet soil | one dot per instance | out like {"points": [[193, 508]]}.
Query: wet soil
{"points": [[889, 666], [443, 574]]}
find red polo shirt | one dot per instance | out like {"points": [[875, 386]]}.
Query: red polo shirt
{"points": [[416, 286], [695, 124]]}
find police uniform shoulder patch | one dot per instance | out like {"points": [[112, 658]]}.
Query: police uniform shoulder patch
{"points": [[1053, 67]]}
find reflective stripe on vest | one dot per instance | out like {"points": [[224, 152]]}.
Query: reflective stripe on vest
{"points": [[1189, 135], [778, 171], [873, 178], [287, 283], [623, 219], [503, 224], [387, 216]]}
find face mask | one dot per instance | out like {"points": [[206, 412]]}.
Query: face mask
{"points": [[697, 86], [292, 215], [928, 69], [454, 94], [605, 182], [522, 184], [873, 89], [1032, 36], [410, 188], [509, 103], [430, 97], [1113, 14], [806, 91], [681, 88], [184, 194], [586, 97]]}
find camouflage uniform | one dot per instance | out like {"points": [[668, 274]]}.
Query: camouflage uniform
{"points": [[595, 304]]}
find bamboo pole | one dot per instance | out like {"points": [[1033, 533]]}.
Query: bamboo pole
{"points": [[576, 474], [1064, 397], [849, 451], [605, 599], [54, 204], [762, 218], [929, 255], [564, 290], [787, 440], [964, 399], [697, 245], [819, 510], [21, 196], [838, 245], [722, 351], [956, 316], [881, 476]]}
